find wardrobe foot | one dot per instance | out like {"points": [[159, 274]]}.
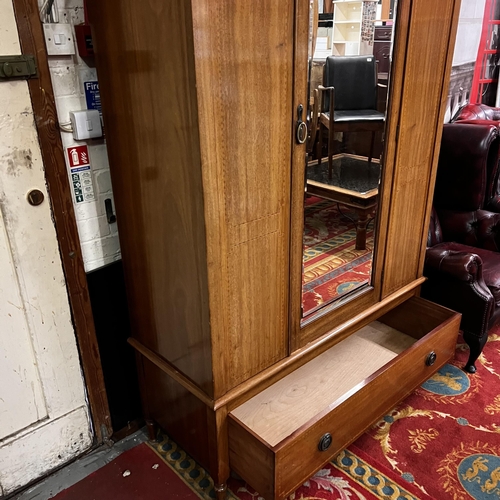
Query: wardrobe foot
{"points": [[152, 429], [220, 491]]}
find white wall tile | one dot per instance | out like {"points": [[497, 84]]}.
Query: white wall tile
{"points": [[100, 252], [67, 103], [93, 229], [103, 182], [99, 156], [65, 80]]}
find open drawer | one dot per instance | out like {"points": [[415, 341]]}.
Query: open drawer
{"points": [[283, 435]]}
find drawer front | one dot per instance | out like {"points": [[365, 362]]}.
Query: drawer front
{"points": [[382, 33], [299, 456], [382, 52]]}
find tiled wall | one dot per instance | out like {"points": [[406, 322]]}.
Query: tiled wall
{"points": [[99, 240]]}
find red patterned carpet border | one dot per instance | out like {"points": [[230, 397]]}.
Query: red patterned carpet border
{"points": [[332, 265]]}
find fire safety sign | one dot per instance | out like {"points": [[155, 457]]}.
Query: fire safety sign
{"points": [[80, 174]]}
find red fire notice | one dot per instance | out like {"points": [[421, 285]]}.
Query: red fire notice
{"points": [[78, 156]]}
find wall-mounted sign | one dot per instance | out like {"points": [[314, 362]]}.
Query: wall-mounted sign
{"points": [[80, 174], [92, 95], [78, 156]]}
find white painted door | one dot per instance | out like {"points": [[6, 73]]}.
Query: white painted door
{"points": [[44, 418]]}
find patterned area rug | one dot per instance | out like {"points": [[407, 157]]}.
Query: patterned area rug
{"points": [[332, 265], [442, 442], [445, 437]]}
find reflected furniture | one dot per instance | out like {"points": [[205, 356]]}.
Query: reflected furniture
{"points": [[354, 183], [209, 180], [382, 50], [462, 264], [349, 100], [352, 27]]}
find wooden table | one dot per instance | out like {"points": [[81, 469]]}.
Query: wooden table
{"points": [[364, 203]]}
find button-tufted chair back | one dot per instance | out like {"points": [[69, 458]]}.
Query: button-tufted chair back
{"points": [[469, 153]]}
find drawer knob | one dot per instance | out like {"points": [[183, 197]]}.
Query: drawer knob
{"points": [[431, 358], [325, 442]]}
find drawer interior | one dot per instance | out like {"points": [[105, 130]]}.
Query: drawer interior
{"points": [[326, 381]]}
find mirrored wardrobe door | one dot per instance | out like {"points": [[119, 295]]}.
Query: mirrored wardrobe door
{"points": [[348, 94], [338, 188], [407, 164]]}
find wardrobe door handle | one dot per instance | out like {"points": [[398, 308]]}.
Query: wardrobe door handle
{"points": [[301, 131]]}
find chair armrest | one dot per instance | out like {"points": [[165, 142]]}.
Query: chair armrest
{"points": [[331, 92], [313, 125], [479, 228], [463, 266], [454, 280]]}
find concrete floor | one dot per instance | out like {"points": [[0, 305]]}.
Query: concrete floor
{"points": [[79, 469]]}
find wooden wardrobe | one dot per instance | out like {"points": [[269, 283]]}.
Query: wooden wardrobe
{"points": [[200, 105]]}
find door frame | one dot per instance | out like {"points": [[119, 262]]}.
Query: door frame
{"points": [[43, 102]]}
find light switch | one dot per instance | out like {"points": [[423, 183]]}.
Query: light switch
{"points": [[59, 39]]}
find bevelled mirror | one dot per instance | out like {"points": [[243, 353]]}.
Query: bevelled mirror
{"points": [[349, 71]]}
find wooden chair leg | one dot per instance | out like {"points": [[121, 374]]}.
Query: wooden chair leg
{"points": [[152, 428], [319, 144], [361, 230], [330, 149]]}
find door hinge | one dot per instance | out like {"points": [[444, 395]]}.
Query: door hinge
{"points": [[14, 67]]}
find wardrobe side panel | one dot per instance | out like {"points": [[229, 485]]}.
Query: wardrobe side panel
{"points": [[144, 53], [244, 69], [426, 80]]}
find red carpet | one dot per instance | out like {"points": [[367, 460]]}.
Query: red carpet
{"points": [[442, 442], [332, 265], [150, 478]]}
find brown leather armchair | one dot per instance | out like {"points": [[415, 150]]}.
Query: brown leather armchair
{"points": [[462, 265], [462, 261]]}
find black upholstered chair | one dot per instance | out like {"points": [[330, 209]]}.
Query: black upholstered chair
{"points": [[349, 100]]}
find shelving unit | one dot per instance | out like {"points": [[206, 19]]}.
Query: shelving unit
{"points": [[347, 28]]}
